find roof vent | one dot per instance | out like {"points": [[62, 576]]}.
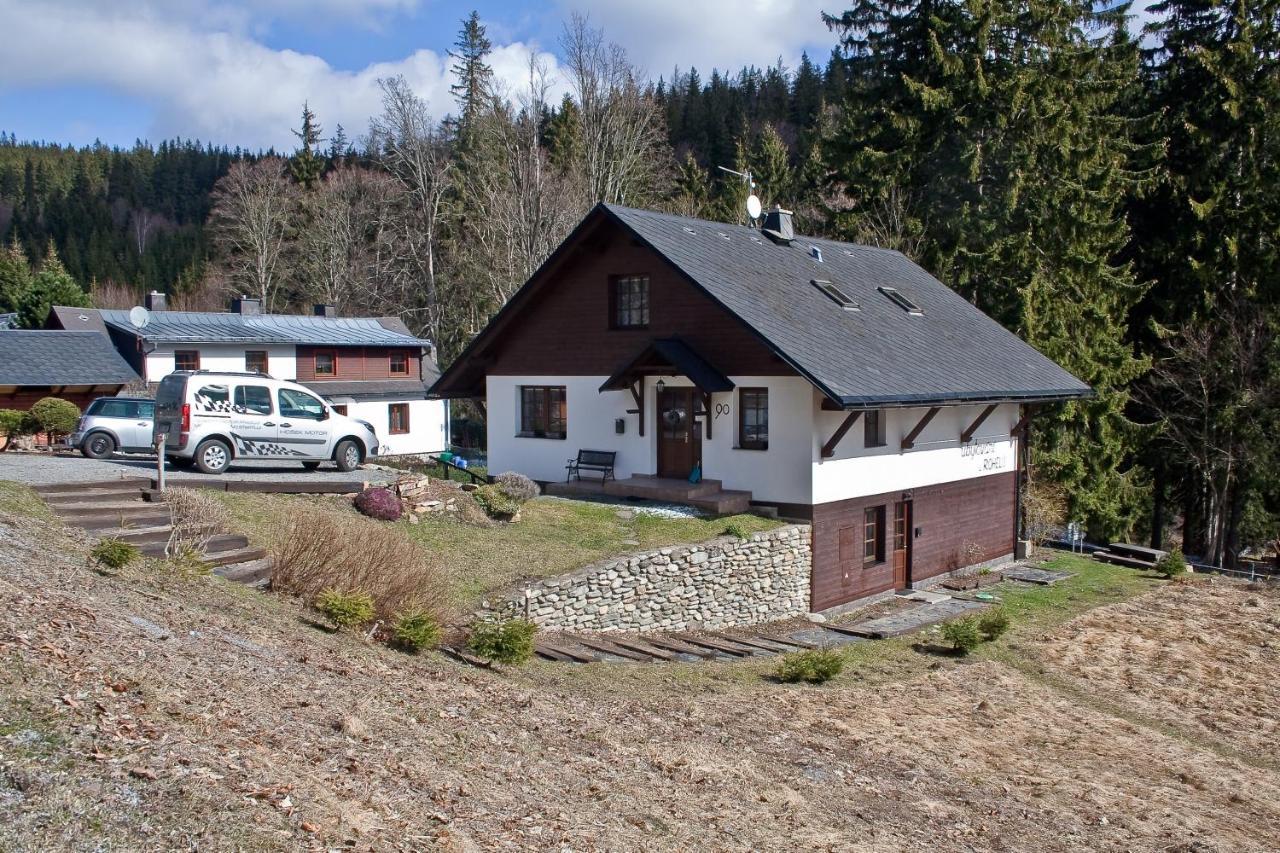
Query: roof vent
{"points": [[689, 230], [324, 309], [815, 253], [722, 234], [154, 301], [778, 227], [901, 301], [835, 294]]}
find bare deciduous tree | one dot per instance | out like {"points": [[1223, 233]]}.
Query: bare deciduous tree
{"points": [[252, 209]]}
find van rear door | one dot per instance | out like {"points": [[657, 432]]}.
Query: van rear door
{"points": [[168, 414]]}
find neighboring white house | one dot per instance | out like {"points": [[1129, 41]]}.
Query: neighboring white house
{"points": [[372, 368], [834, 382]]}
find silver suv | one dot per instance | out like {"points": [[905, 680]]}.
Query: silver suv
{"points": [[114, 423]]}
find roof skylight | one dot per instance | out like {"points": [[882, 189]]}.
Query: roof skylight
{"points": [[835, 294], [901, 301]]}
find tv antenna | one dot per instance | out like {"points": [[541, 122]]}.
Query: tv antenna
{"points": [[753, 201], [139, 317]]}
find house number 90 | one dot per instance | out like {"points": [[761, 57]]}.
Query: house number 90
{"points": [[722, 409]]}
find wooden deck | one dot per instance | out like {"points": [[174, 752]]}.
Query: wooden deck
{"points": [[708, 495]]}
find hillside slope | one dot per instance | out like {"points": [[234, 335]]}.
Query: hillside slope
{"points": [[152, 711]]}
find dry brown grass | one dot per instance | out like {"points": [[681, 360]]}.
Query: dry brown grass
{"points": [[315, 548], [196, 516]]}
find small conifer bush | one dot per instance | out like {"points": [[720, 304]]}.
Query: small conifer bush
{"points": [[962, 634], [495, 501], [416, 630], [1171, 565], [115, 554], [811, 665], [509, 641], [345, 609], [993, 623]]}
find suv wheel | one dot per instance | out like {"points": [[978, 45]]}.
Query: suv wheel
{"points": [[213, 456], [347, 455], [99, 445]]}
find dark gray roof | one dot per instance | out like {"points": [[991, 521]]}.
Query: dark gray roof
{"points": [[373, 389], [61, 358], [679, 355], [214, 327], [878, 354], [76, 319]]}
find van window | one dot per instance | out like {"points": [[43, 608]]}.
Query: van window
{"points": [[295, 404], [253, 399], [214, 398], [147, 410]]}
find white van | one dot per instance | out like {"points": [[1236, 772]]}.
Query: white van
{"points": [[209, 418]]}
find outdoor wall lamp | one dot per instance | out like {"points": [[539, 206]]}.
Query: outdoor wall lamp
{"points": [[660, 386]]}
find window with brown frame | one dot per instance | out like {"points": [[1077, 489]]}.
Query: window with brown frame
{"points": [[398, 363], [326, 362], [255, 361], [753, 418], [543, 412], [873, 429], [630, 302], [873, 534], [398, 418], [186, 359]]}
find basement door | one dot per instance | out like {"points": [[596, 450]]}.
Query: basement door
{"points": [[902, 544], [679, 442]]}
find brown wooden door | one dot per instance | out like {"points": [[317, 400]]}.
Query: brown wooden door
{"points": [[679, 443], [902, 544]]}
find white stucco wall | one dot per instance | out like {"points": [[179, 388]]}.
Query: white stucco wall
{"points": [[856, 470], [427, 423], [780, 474], [281, 360]]}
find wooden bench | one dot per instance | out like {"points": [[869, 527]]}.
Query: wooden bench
{"points": [[592, 460]]}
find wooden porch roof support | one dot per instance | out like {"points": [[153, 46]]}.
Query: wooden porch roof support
{"points": [[1027, 414], [910, 441], [977, 422], [829, 449], [706, 410], [637, 391]]}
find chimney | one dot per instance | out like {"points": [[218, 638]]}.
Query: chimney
{"points": [[323, 310], [154, 301], [778, 227], [245, 305]]}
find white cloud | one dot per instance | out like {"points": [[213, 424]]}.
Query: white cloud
{"points": [[724, 34], [217, 84]]}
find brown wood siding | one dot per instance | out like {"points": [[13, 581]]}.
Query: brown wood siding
{"points": [[949, 515], [355, 363], [565, 329], [23, 400]]}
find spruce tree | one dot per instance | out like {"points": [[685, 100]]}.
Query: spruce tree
{"points": [[15, 278], [52, 285], [473, 77], [994, 128], [307, 164]]}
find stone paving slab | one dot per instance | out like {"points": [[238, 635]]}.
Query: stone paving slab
{"points": [[1026, 574], [909, 621]]}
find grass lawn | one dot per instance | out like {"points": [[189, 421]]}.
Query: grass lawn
{"points": [[553, 536], [18, 499]]}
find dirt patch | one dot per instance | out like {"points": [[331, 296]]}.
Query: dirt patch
{"points": [[1202, 656], [245, 728]]}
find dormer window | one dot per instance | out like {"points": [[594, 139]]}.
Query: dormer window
{"points": [[629, 302]]}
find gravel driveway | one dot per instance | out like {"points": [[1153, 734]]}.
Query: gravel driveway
{"points": [[45, 468]]}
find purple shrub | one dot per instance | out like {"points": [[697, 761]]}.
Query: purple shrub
{"points": [[379, 503]]}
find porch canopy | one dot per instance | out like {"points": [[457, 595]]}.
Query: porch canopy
{"points": [[669, 357]]}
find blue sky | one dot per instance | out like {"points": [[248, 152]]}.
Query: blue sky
{"points": [[236, 71]]}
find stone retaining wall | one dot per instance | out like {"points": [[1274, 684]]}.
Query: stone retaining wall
{"points": [[715, 584]]}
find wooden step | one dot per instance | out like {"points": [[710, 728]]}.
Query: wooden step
{"points": [[241, 555], [612, 649], [98, 485], [719, 645], [634, 645], [249, 573], [90, 496], [70, 510], [758, 642], [147, 517], [137, 535], [672, 645], [215, 544]]}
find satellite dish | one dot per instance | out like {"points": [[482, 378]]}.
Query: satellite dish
{"points": [[139, 317], [753, 206]]}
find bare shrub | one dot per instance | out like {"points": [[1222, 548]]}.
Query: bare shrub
{"points": [[314, 549], [517, 486], [1045, 506], [196, 517]]}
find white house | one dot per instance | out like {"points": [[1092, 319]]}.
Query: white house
{"points": [[834, 382], [372, 368]]}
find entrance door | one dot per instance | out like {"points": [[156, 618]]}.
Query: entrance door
{"points": [[679, 443], [902, 544]]}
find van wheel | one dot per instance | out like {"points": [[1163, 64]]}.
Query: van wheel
{"points": [[98, 446], [347, 455], [213, 456], [311, 466]]}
